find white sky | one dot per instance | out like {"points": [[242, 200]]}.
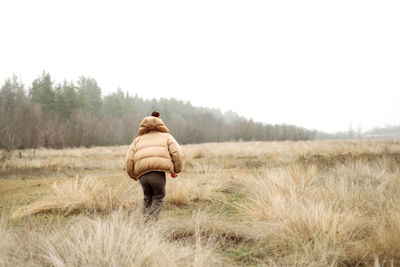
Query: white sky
{"points": [[318, 64]]}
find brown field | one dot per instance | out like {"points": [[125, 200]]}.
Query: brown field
{"points": [[313, 203]]}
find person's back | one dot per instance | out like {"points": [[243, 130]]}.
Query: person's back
{"points": [[152, 153]]}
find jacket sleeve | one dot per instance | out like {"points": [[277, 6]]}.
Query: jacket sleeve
{"points": [[130, 165], [176, 153]]}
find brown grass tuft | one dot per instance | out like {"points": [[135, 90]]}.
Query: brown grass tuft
{"points": [[343, 216], [86, 194], [207, 184], [118, 239]]}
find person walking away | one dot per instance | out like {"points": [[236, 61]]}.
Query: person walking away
{"points": [[153, 153]]}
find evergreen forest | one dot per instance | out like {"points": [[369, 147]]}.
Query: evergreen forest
{"points": [[74, 114]]}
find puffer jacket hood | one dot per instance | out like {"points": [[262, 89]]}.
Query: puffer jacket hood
{"points": [[152, 124], [154, 149]]}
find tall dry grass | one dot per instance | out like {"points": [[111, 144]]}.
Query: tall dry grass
{"points": [[347, 215], [3, 241], [91, 194], [206, 225], [280, 153], [207, 183], [84, 195], [314, 203], [118, 239]]}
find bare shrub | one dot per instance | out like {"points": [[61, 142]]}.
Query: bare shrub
{"points": [[3, 155]]}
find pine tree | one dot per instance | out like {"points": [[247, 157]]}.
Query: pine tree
{"points": [[89, 95], [42, 92], [70, 98]]}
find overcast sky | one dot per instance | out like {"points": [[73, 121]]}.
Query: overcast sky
{"points": [[318, 64]]}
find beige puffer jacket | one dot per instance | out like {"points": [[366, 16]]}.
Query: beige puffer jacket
{"points": [[154, 149]]}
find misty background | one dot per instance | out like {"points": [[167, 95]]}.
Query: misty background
{"points": [[218, 70]]}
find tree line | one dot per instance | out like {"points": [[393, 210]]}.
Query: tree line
{"points": [[73, 114]]}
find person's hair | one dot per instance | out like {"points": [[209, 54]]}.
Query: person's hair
{"points": [[155, 114]]}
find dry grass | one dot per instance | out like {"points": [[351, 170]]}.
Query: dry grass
{"points": [[3, 241], [119, 239], [67, 162], [95, 194], [314, 203], [88, 194], [348, 214], [204, 224], [207, 183]]}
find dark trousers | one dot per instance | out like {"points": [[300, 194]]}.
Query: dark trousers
{"points": [[153, 185]]}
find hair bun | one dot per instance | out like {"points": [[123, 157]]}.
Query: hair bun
{"points": [[155, 114]]}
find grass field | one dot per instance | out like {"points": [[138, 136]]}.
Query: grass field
{"points": [[313, 203]]}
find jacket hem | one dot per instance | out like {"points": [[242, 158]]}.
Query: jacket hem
{"points": [[153, 170]]}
